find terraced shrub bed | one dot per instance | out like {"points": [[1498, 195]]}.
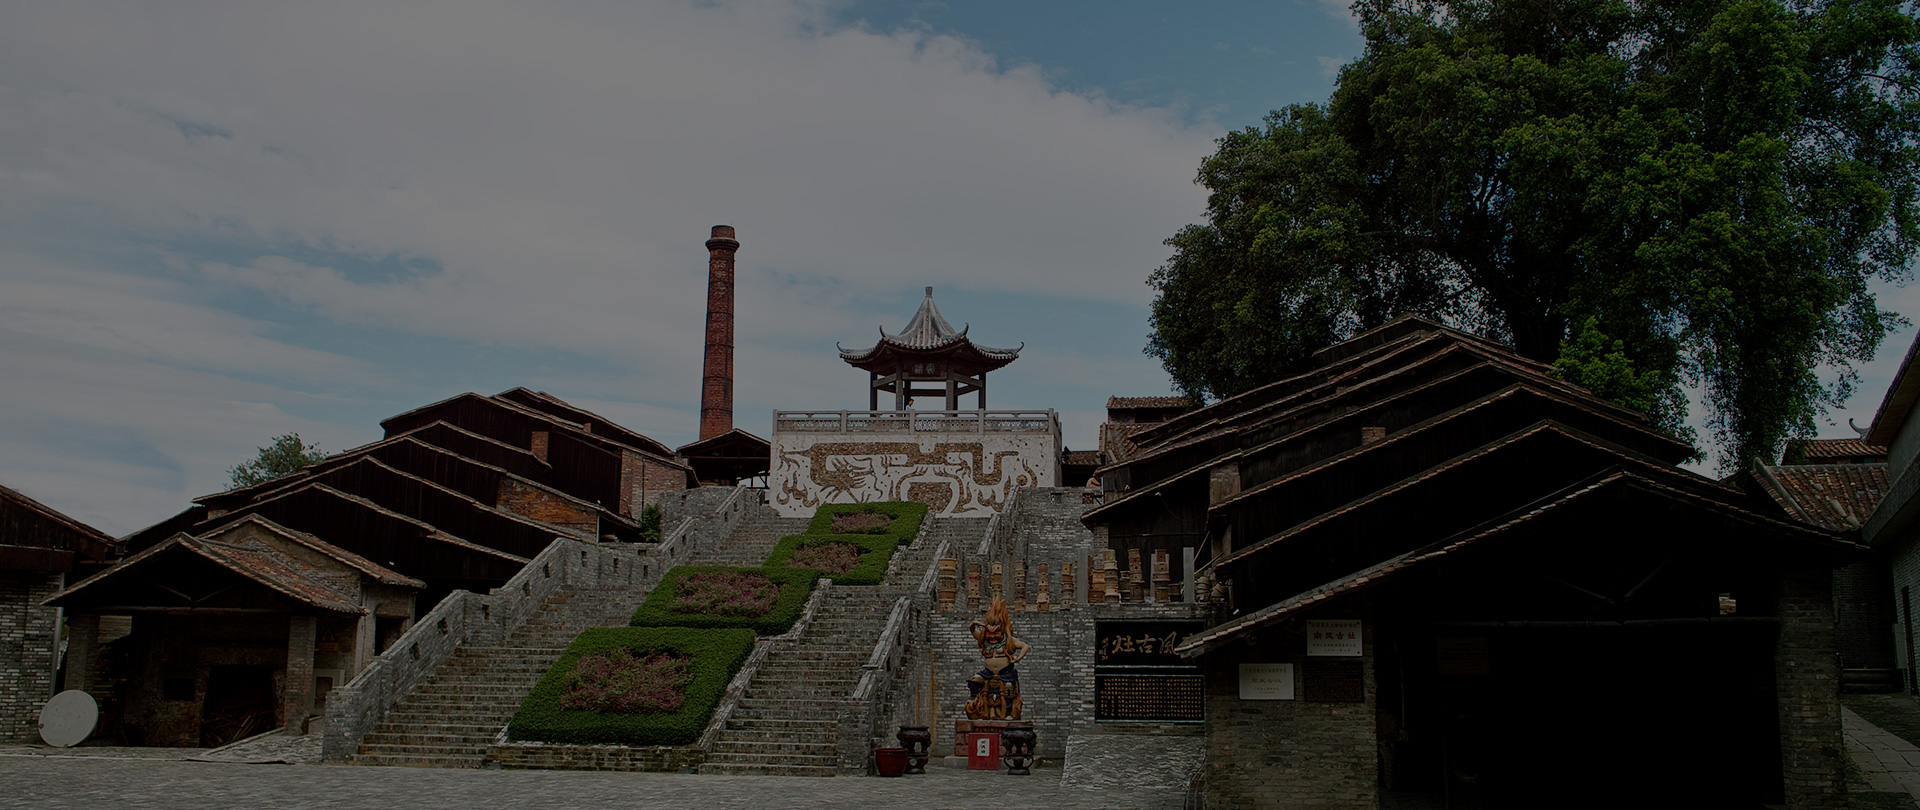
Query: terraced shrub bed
{"points": [[902, 524], [623, 675], [875, 551], [765, 600]]}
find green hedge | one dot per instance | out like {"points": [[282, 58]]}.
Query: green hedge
{"points": [[907, 516], [875, 551], [716, 654], [796, 584]]}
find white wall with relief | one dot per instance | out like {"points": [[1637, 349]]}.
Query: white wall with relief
{"points": [[961, 463]]}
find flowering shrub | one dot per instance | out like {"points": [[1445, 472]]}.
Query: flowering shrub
{"points": [[708, 657], [767, 599], [727, 593], [620, 682], [903, 519], [861, 523], [833, 558]]}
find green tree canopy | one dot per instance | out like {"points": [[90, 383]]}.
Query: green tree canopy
{"points": [[1687, 193], [287, 454]]}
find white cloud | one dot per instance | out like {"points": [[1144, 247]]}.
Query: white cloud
{"points": [[535, 176]]}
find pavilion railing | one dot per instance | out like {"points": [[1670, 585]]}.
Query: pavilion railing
{"points": [[916, 421]]}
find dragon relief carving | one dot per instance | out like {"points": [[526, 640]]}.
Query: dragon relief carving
{"points": [[952, 477]]}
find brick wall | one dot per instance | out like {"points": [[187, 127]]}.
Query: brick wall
{"points": [[1807, 682], [1287, 753], [540, 504], [645, 481], [28, 636], [1863, 594]]}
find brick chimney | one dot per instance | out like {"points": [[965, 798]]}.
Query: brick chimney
{"points": [[716, 384]]}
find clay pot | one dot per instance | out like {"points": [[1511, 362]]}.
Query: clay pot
{"points": [[890, 761]]}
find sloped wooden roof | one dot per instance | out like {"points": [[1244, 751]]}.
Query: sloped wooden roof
{"points": [[1580, 501], [55, 532]]}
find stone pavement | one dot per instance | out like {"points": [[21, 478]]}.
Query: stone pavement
{"points": [[1887, 763], [97, 780]]}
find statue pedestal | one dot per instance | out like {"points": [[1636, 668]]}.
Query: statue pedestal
{"points": [[961, 728]]}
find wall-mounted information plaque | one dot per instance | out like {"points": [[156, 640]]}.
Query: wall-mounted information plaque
{"points": [[1137, 676], [1163, 698]]}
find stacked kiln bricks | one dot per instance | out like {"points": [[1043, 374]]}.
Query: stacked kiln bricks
{"points": [[29, 649]]}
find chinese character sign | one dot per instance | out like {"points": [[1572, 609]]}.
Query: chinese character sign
{"points": [[1337, 637]]}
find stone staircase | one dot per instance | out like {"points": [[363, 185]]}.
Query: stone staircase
{"points": [[787, 722], [452, 718], [751, 540]]}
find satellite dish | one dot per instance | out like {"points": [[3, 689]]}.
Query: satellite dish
{"points": [[68, 718]]}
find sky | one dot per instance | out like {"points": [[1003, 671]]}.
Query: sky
{"points": [[225, 221]]}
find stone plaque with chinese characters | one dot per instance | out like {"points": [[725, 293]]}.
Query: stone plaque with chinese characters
{"points": [[1333, 637]]}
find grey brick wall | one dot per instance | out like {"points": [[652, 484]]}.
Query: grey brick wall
{"points": [[29, 637], [1807, 679], [1287, 753]]}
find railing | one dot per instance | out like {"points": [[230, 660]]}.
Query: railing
{"points": [[465, 617], [862, 712], [737, 688], [916, 421]]}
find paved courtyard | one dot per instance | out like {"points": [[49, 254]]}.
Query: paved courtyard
{"points": [[101, 779]]}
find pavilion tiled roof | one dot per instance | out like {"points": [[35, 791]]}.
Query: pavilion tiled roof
{"points": [[1832, 496], [928, 331]]}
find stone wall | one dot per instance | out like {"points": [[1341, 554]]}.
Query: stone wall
{"points": [[965, 466], [1287, 753], [551, 757], [29, 635]]}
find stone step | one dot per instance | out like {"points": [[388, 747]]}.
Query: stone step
{"points": [[817, 760], [741, 769], [473, 760], [378, 749], [776, 750], [378, 738]]}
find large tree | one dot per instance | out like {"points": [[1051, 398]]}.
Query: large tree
{"points": [[285, 456], [1654, 195]]}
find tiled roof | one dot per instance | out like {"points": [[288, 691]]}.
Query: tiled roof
{"points": [[1831, 496], [1148, 403], [270, 570], [928, 330], [1815, 450], [1081, 458], [365, 566]]}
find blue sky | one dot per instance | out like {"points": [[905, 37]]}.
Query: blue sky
{"points": [[222, 221]]}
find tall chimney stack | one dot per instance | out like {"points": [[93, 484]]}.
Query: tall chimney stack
{"points": [[716, 386]]}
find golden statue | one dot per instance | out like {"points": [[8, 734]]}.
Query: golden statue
{"points": [[996, 689]]}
